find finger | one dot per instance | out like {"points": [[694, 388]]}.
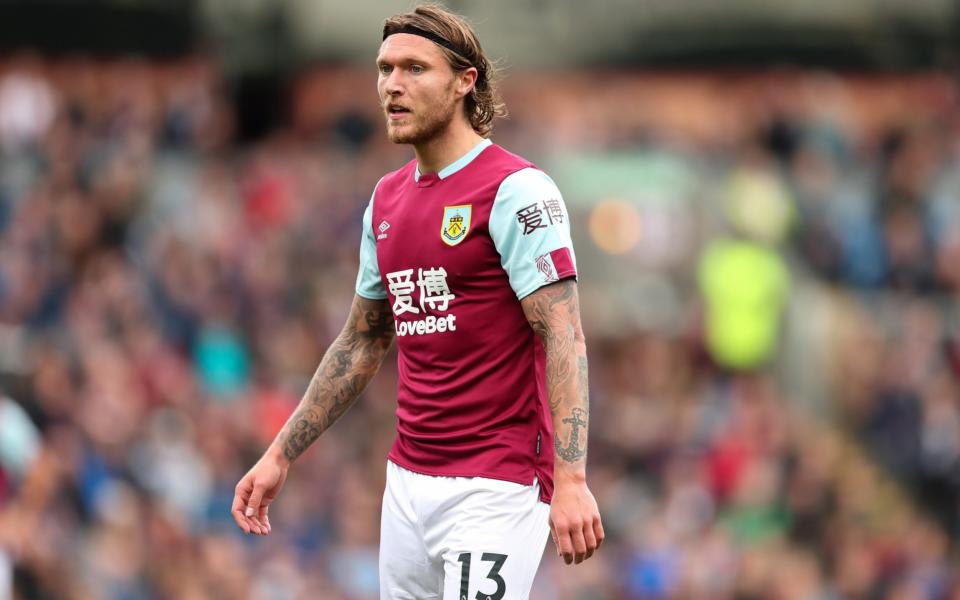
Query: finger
{"points": [[237, 509], [240, 519], [579, 544], [252, 521], [590, 539], [253, 508], [256, 496], [263, 516], [556, 540], [598, 531], [257, 526], [566, 545]]}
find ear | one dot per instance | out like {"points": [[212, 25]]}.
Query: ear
{"points": [[465, 81]]}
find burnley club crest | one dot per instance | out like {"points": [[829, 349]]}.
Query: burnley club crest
{"points": [[455, 224]]}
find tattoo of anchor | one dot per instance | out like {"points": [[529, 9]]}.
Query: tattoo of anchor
{"points": [[572, 452]]}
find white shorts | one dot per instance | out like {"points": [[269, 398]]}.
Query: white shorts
{"points": [[456, 538]]}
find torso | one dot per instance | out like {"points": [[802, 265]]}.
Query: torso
{"points": [[471, 398]]}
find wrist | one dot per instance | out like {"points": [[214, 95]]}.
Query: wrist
{"points": [[575, 474], [276, 455]]}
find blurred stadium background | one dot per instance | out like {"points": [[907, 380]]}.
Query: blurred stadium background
{"points": [[766, 202]]}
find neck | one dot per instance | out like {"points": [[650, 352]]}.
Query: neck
{"points": [[435, 154]]}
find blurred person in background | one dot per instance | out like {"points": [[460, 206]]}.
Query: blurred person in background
{"points": [[466, 258]]}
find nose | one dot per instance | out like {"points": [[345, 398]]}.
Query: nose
{"points": [[391, 84]]}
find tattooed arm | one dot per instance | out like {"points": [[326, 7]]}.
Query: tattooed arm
{"points": [[347, 367], [554, 314]]}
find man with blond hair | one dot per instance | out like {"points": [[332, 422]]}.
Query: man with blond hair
{"points": [[466, 260]]}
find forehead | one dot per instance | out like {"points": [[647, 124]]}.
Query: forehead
{"points": [[406, 46]]}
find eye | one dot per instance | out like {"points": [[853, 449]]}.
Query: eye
{"points": [[385, 69], [416, 69]]}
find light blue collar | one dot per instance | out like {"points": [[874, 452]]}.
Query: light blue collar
{"points": [[458, 164]]}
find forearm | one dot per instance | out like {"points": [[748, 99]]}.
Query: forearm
{"points": [[555, 316], [569, 405], [345, 370], [327, 398]]}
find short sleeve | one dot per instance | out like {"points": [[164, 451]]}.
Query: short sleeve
{"points": [[369, 282], [530, 228]]}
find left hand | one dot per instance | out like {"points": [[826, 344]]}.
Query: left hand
{"points": [[575, 520]]}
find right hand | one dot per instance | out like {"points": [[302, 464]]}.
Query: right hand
{"points": [[256, 490]]}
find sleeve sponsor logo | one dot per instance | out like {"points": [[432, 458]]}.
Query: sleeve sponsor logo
{"points": [[555, 264], [540, 215], [545, 266]]}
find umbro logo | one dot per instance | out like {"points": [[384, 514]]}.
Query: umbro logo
{"points": [[383, 227]]}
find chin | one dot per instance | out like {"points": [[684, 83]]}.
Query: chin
{"points": [[402, 135], [398, 137], [423, 130]]}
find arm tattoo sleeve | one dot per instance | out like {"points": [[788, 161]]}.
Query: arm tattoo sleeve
{"points": [[347, 367], [554, 314]]}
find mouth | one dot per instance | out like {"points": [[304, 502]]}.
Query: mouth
{"points": [[396, 111]]}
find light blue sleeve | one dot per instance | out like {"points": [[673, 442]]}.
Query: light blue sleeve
{"points": [[530, 227], [369, 283]]}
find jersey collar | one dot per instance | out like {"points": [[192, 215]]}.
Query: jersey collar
{"points": [[458, 164]]}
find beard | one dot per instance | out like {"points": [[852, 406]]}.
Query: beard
{"points": [[424, 125]]}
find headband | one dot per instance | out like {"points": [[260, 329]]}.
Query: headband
{"points": [[436, 39]]}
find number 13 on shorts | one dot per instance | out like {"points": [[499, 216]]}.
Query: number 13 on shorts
{"points": [[494, 589]]}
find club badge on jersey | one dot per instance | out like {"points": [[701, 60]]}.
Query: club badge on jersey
{"points": [[455, 224]]}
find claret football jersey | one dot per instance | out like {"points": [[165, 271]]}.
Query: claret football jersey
{"points": [[454, 252]]}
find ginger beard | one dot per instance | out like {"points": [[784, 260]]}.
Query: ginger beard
{"points": [[424, 122]]}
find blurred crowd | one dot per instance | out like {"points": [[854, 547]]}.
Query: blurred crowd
{"points": [[166, 292]]}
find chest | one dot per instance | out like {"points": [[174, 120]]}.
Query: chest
{"points": [[435, 230]]}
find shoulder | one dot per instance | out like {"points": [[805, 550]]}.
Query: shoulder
{"points": [[501, 155], [529, 179], [528, 184], [394, 178]]}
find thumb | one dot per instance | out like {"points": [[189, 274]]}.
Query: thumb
{"points": [[256, 496]]}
